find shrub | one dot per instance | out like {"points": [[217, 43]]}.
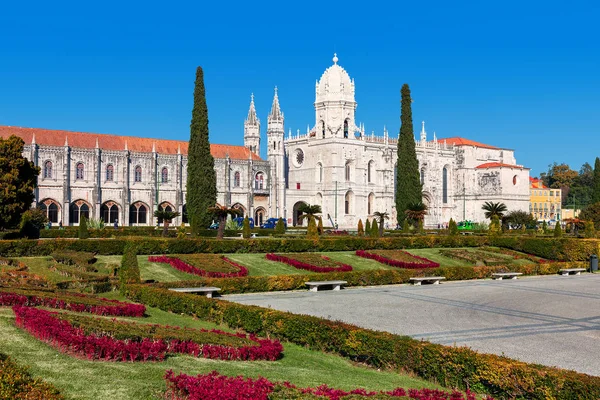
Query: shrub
{"points": [[311, 231], [405, 226], [320, 226], [590, 230], [458, 367], [77, 258], [398, 258], [374, 229], [452, 227], [181, 265], [368, 228], [280, 227], [361, 230], [83, 231], [17, 383], [129, 272], [329, 265], [246, 228], [32, 221]]}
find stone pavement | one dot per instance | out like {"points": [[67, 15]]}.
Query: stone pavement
{"points": [[550, 320]]}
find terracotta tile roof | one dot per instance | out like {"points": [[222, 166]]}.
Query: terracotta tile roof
{"points": [[498, 165], [458, 141], [51, 137], [537, 183]]}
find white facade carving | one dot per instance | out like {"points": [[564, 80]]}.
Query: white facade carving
{"points": [[335, 165]]}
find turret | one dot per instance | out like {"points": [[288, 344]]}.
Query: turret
{"points": [[252, 129], [275, 153]]}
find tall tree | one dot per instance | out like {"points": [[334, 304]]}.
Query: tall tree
{"points": [[596, 182], [201, 177], [166, 216], [18, 179], [408, 182], [381, 217], [221, 213]]}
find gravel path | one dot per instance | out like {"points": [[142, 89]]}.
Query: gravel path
{"points": [[552, 320]]}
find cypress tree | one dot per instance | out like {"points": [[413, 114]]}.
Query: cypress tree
{"points": [[361, 229], [408, 180], [596, 187], [452, 227], [320, 226], [280, 227], [312, 231], [246, 228], [374, 229], [557, 230], [405, 226], [368, 228], [83, 231], [201, 177]]}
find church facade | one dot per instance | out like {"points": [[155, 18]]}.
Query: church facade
{"points": [[334, 164]]}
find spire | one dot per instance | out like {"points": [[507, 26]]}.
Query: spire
{"points": [[275, 109], [423, 133], [97, 144], [33, 138], [178, 148], [66, 141], [252, 118], [126, 149], [153, 147], [335, 58]]}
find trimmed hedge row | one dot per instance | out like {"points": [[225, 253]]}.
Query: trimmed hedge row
{"points": [[17, 383], [458, 367], [24, 248], [562, 249], [254, 284], [143, 231]]}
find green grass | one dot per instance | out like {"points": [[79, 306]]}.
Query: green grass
{"points": [[40, 266], [161, 272], [434, 255], [82, 379]]}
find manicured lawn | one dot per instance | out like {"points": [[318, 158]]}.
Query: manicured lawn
{"points": [[40, 266], [82, 379], [161, 272], [434, 255]]}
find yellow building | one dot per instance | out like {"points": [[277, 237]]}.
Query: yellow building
{"points": [[545, 202]]}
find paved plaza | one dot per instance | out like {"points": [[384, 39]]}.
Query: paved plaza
{"points": [[551, 320]]}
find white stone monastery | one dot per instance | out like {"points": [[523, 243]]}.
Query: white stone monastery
{"points": [[335, 165]]}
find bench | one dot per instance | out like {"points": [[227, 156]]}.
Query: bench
{"points": [[569, 271], [429, 279], [314, 286], [208, 290], [500, 275], [252, 235]]}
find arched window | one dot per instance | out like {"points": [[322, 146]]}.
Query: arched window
{"points": [[259, 181], [323, 128], [347, 174], [423, 176], [77, 210], [48, 169], [370, 203], [236, 179], [346, 129], [110, 172], [348, 203], [50, 208], [79, 171], [319, 173], [259, 216], [445, 185], [109, 212], [274, 145], [370, 172], [138, 213], [137, 176], [165, 207], [164, 175]]}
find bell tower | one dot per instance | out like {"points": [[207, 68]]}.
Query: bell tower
{"points": [[252, 129], [275, 153]]}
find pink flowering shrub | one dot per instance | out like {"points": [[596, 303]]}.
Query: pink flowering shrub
{"points": [[70, 301], [219, 387], [190, 269], [96, 343], [309, 267], [408, 261]]}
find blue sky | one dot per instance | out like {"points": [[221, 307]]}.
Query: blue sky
{"points": [[522, 75]]}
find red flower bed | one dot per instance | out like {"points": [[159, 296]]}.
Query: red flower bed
{"points": [[60, 332], [190, 269], [219, 387], [412, 262], [70, 301], [309, 267]]}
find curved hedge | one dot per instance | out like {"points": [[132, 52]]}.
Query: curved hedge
{"points": [[17, 383], [458, 367]]}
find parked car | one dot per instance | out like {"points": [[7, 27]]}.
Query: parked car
{"points": [[240, 222], [214, 225], [271, 222]]}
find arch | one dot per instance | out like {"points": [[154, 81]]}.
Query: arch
{"points": [[346, 128], [370, 172], [348, 200], [184, 214], [445, 185], [347, 171], [319, 200], [48, 170], [241, 208], [259, 216], [110, 172], [323, 128], [296, 213], [109, 212], [164, 175], [137, 174], [51, 208], [259, 180], [79, 171], [319, 173], [370, 203], [422, 176], [165, 206], [138, 213], [236, 179], [78, 209], [426, 199]]}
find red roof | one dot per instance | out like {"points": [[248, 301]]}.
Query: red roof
{"points": [[458, 141], [498, 165], [537, 183], [51, 137]]}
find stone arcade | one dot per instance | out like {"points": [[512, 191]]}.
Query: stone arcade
{"points": [[335, 165]]}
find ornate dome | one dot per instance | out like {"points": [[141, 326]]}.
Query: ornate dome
{"points": [[335, 84]]}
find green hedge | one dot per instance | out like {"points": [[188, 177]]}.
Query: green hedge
{"points": [[256, 284], [129, 271], [563, 249], [70, 232], [458, 367], [17, 383]]}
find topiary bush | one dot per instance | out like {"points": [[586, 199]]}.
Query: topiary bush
{"points": [[246, 228], [83, 231], [452, 227], [361, 229], [280, 227], [129, 272]]}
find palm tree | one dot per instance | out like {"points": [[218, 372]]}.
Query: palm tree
{"points": [[381, 217], [310, 213], [491, 209], [221, 213], [416, 212], [166, 216]]}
